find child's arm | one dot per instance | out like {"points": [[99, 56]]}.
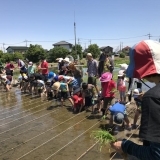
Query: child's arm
{"points": [[69, 80]]}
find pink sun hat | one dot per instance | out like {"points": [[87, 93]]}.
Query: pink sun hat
{"points": [[106, 77]]}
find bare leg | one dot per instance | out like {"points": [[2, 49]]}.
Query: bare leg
{"points": [[136, 117]]}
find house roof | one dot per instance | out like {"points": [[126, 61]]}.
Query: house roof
{"points": [[18, 47], [127, 47], [62, 43], [104, 47]]}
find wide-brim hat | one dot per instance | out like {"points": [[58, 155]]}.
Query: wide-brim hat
{"points": [[56, 86], [121, 73], [144, 59], [118, 118], [106, 77], [89, 54], [123, 66], [67, 60], [137, 92]]}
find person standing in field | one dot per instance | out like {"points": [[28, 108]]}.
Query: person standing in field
{"points": [[44, 69], [92, 71]]}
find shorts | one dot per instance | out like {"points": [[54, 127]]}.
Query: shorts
{"points": [[122, 93], [108, 101], [92, 80], [8, 82], [88, 101], [64, 95]]}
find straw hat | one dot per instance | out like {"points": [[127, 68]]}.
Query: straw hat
{"points": [[89, 54], [56, 86]]}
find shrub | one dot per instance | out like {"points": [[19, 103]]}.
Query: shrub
{"points": [[122, 55]]}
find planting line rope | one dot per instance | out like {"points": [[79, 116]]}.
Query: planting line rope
{"points": [[27, 122], [41, 134], [127, 139], [22, 111], [71, 141], [32, 128], [25, 115], [26, 101], [57, 136], [97, 142]]}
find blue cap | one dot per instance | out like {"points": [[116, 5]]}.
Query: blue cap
{"points": [[56, 78], [51, 74]]}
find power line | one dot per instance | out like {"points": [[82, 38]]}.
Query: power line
{"points": [[115, 38]]}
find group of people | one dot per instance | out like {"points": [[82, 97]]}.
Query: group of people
{"points": [[68, 83]]}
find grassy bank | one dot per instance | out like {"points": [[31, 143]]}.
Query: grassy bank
{"points": [[117, 61]]}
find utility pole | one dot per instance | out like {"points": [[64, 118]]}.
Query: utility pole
{"points": [[75, 35], [3, 48], [149, 35], [78, 41], [120, 46]]}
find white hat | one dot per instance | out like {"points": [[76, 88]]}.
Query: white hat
{"points": [[123, 66], [67, 59], [60, 59], [30, 63], [121, 73], [89, 54], [136, 92]]}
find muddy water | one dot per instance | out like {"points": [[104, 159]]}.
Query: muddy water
{"points": [[31, 128]]}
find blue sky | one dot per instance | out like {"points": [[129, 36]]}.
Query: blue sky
{"points": [[46, 22]]}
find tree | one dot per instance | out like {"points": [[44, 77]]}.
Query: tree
{"points": [[7, 57], [57, 52], [79, 51], [35, 53], [94, 49], [18, 55]]}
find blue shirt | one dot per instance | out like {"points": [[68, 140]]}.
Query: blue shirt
{"points": [[63, 87], [116, 108]]}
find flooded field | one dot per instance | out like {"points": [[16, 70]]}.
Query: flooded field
{"points": [[34, 129]]}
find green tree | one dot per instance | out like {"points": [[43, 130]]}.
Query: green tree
{"points": [[79, 51], [35, 53], [94, 49], [7, 57], [57, 52], [18, 55]]}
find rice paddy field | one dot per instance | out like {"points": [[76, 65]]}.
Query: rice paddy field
{"points": [[31, 128]]}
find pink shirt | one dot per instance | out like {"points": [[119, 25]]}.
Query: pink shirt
{"points": [[107, 88]]}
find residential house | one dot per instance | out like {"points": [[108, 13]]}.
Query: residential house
{"points": [[126, 49], [13, 49], [106, 49], [63, 44]]}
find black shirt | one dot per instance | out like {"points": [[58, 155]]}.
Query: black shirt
{"points": [[38, 76], [150, 120]]}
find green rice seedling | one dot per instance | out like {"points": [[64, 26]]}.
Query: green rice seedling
{"points": [[103, 137]]}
